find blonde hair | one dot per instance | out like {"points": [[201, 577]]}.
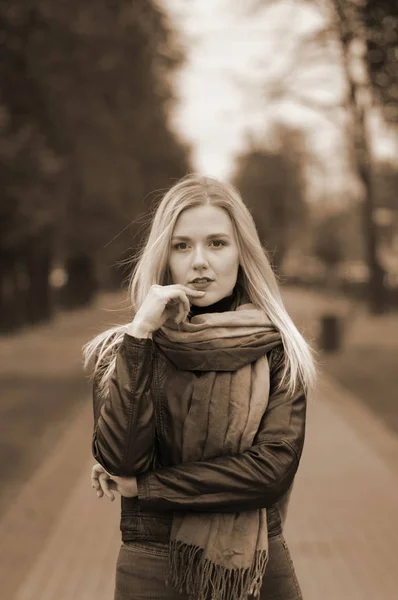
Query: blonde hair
{"points": [[256, 277]]}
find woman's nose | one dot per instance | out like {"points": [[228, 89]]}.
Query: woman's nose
{"points": [[199, 259]]}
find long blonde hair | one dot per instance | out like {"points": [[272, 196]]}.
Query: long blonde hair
{"points": [[256, 274]]}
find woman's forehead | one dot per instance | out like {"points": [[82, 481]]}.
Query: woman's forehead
{"points": [[203, 220]]}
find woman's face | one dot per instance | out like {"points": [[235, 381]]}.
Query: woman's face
{"points": [[203, 244]]}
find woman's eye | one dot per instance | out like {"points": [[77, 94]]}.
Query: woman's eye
{"points": [[219, 243]]}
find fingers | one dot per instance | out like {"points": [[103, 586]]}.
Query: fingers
{"points": [[177, 299], [106, 484], [95, 483], [95, 473], [100, 481], [96, 470], [191, 291], [180, 295], [104, 481], [184, 304], [167, 301], [182, 312]]}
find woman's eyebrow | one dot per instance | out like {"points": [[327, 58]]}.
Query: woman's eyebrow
{"points": [[208, 237]]}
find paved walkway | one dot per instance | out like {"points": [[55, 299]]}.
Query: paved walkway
{"points": [[59, 542]]}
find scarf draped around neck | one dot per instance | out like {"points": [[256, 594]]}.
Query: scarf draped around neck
{"points": [[220, 556]]}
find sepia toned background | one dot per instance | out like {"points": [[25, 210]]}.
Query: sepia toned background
{"points": [[103, 106]]}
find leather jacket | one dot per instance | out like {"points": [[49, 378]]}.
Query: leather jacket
{"points": [[138, 431]]}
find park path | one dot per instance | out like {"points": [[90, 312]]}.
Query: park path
{"points": [[59, 542]]}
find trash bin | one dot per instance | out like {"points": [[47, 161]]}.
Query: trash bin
{"points": [[330, 333]]}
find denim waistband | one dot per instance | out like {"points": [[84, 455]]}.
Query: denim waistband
{"points": [[140, 525]]}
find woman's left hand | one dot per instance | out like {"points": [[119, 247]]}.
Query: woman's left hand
{"points": [[105, 483]]}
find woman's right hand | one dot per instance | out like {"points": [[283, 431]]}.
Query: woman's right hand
{"points": [[163, 302]]}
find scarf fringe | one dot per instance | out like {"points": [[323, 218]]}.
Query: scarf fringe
{"points": [[189, 573]]}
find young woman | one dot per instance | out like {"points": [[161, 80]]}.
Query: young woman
{"points": [[199, 408]]}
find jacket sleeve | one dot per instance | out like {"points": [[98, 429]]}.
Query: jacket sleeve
{"points": [[255, 478], [124, 422]]}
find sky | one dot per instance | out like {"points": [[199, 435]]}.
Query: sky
{"points": [[234, 60], [211, 110], [220, 87]]}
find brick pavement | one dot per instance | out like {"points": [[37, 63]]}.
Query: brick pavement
{"points": [[342, 525]]}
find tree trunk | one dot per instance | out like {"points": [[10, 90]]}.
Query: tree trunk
{"points": [[38, 260], [12, 313], [376, 288], [81, 286]]}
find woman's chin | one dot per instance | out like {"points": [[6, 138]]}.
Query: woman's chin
{"points": [[206, 300]]}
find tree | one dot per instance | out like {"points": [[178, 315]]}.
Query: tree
{"points": [[86, 92], [272, 185], [28, 167], [356, 26], [349, 27], [381, 29], [109, 84], [337, 238]]}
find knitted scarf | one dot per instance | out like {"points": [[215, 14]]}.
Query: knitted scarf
{"points": [[221, 556]]}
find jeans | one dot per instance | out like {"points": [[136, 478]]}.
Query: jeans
{"points": [[142, 566]]}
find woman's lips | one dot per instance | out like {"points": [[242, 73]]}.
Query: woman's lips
{"points": [[201, 284]]}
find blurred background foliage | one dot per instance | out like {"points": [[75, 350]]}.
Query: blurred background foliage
{"points": [[381, 34], [87, 95], [86, 89], [276, 175], [341, 72]]}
